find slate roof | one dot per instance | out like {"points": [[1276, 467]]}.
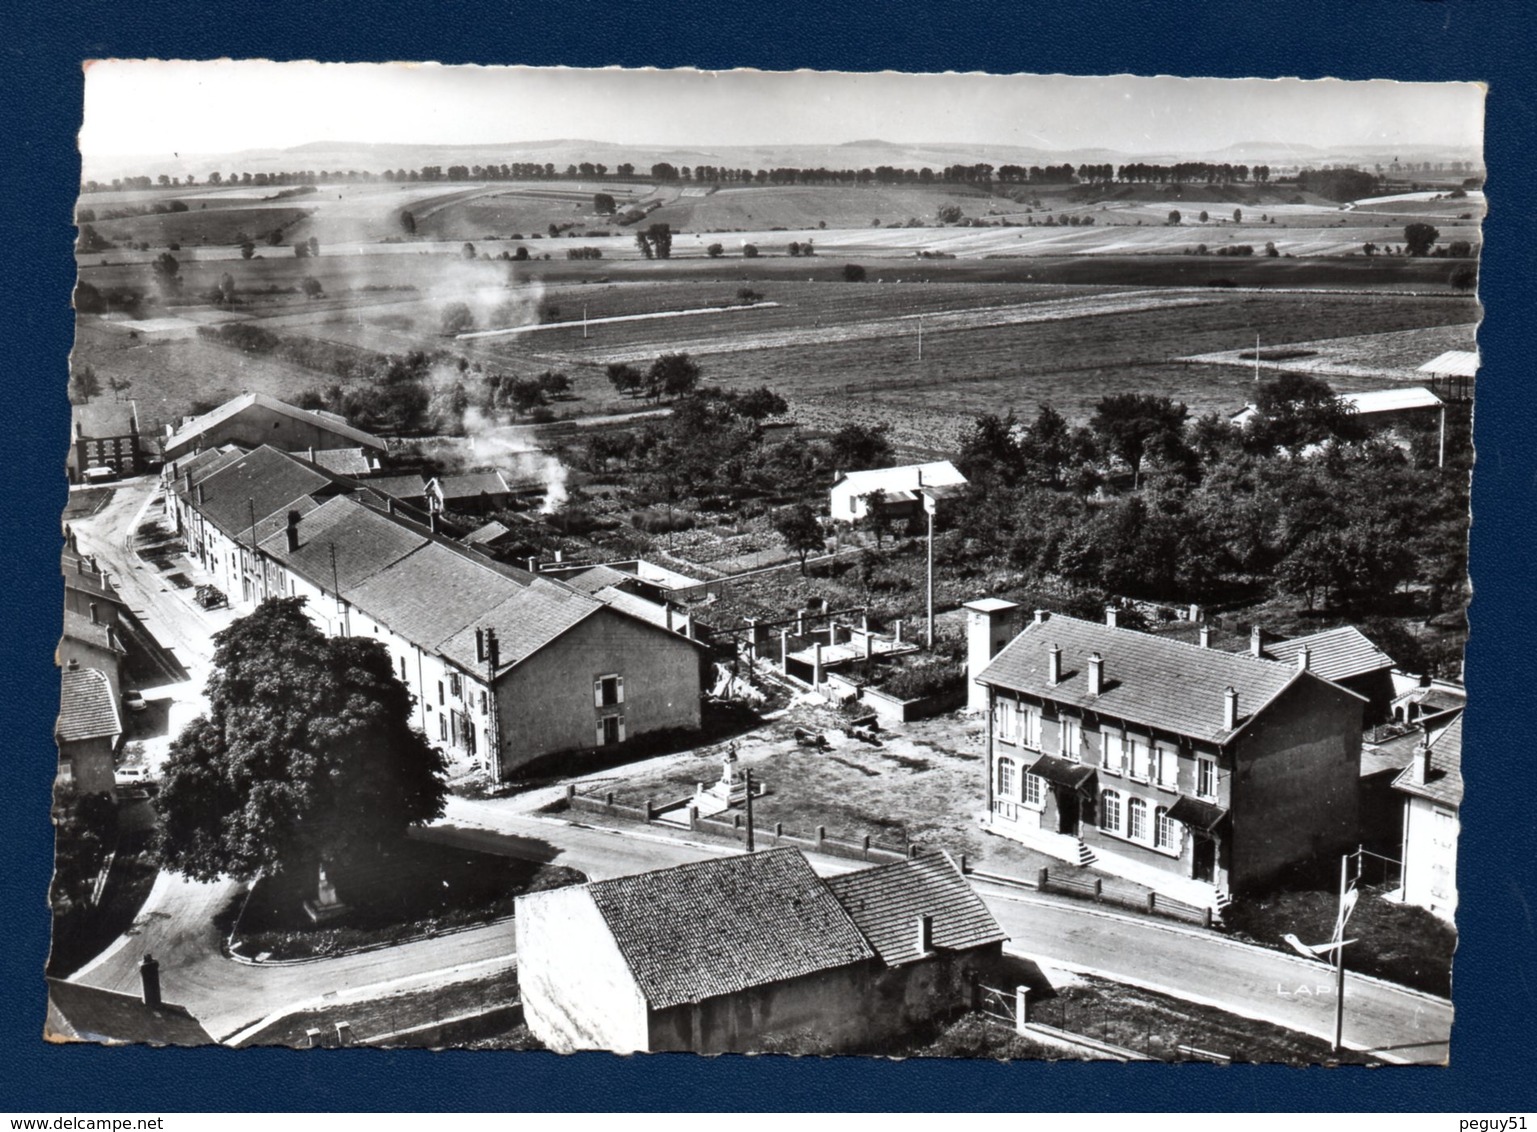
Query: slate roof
{"points": [[87, 709], [365, 543], [339, 461], [263, 480], [885, 903], [194, 428], [102, 420], [470, 485], [1334, 654], [430, 594], [90, 582], [1444, 782], [90, 1014], [410, 486], [598, 577], [637, 607], [78, 627], [719, 926], [204, 464], [532, 617], [1149, 680]]}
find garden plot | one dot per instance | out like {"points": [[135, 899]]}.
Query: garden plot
{"points": [[1392, 356]]}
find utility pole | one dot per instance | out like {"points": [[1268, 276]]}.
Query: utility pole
{"points": [[920, 338], [929, 507], [1339, 960], [748, 778], [1256, 357], [584, 322], [493, 724]]}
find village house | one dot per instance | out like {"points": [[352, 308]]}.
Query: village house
{"points": [[1196, 772], [91, 642], [88, 730], [474, 493], [753, 952], [80, 1013], [1431, 787], [898, 491], [254, 419], [1344, 655], [506, 667], [104, 441]]}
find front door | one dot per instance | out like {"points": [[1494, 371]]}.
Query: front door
{"points": [[1205, 859], [1067, 812]]}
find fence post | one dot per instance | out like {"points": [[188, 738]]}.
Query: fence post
{"points": [[570, 792], [1099, 889], [1152, 903], [1206, 918], [867, 846], [1021, 1009], [1042, 878], [821, 835], [693, 817]]}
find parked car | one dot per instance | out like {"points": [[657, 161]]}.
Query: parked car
{"points": [[132, 776], [211, 597], [133, 700]]}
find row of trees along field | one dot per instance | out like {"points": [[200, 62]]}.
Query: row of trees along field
{"points": [[1182, 172]]}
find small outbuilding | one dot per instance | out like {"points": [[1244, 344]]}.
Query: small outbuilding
{"points": [[897, 491]]}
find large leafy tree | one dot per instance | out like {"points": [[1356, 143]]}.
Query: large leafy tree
{"points": [[800, 530], [1295, 410], [673, 375], [306, 756], [1129, 425]]}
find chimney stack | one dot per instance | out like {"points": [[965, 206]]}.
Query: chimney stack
{"points": [[1230, 708], [95, 614], [1041, 615], [74, 665], [293, 531], [1304, 659], [925, 934], [480, 644], [1205, 635], [1096, 674], [187, 479], [1420, 772], [389, 504], [199, 495], [493, 653], [1195, 612], [1112, 615], [1054, 666], [1256, 641], [312, 453], [149, 980], [432, 521]]}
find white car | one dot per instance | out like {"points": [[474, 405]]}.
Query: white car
{"points": [[132, 776], [133, 700]]}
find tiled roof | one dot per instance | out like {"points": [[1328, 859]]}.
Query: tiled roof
{"points": [[339, 461], [255, 485], [203, 464], [78, 627], [471, 484], [364, 543], [1335, 654], [89, 582], [87, 709], [720, 926], [102, 420], [532, 617], [237, 405], [90, 1014], [635, 606], [489, 533], [1444, 782], [1148, 679], [885, 903], [410, 486], [910, 477], [592, 580], [431, 594]]}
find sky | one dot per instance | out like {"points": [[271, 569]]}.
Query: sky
{"points": [[158, 109]]}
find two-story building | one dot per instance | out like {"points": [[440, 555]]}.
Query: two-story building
{"points": [[1431, 787], [104, 437], [88, 731], [1194, 771]]}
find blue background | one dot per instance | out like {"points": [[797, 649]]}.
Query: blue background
{"points": [[1492, 1045]]}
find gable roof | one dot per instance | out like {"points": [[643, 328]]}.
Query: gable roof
{"points": [[1444, 782], [487, 534], [254, 486], [202, 464], [908, 478], [103, 419], [591, 580], [339, 461], [1149, 680], [79, 627], [468, 485], [1334, 654], [720, 926], [87, 708], [530, 618], [89, 1014], [364, 542], [885, 903], [408, 485], [232, 408]]}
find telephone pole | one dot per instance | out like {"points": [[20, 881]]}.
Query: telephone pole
{"points": [[747, 774]]}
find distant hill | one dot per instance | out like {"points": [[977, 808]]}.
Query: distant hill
{"points": [[865, 153]]}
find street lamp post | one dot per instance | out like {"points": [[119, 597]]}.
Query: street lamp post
{"points": [[1348, 898], [929, 507]]}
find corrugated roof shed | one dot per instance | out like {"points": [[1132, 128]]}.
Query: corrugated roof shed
{"points": [[886, 902], [89, 1014], [87, 709], [1444, 782], [1150, 680], [1392, 400], [1453, 363], [720, 926], [1334, 654], [486, 535]]}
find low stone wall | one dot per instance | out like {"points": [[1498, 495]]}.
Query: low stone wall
{"points": [[892, 710]]}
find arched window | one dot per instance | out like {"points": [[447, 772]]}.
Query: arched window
{"points": [[1006, 778], [1136, 819], [1110, 811]]}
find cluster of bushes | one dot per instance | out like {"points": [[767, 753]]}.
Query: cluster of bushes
{"points": [[585, 252], [158, 208], [659, 522]]}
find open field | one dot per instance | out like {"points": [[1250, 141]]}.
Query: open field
{"points": [[1395, 355]]}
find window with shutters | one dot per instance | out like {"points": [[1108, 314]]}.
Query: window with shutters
{"points": [[482, 702], [1206, 777], [1141, 758], [455, 689], [607, 691], [1167, 761], [1035, 790], [1006, 785], [1030, 719], [610, 730], [443, 728], [1006, 720], [1114, 747], [441, 700], [1072, 738]]}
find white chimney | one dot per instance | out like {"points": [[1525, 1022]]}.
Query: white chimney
{"points": [[1256, 641], [1205, 635], [1112, 614], [1419, 771], [1054, 666], [1096, 674], [1230, 708], [1304, 659], [1041, 615]]}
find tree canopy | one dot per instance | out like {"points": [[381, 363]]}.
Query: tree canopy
{"points": [[1295, 410], [1420, 238], [800, 530], [1129, 425], [306, 755]]}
